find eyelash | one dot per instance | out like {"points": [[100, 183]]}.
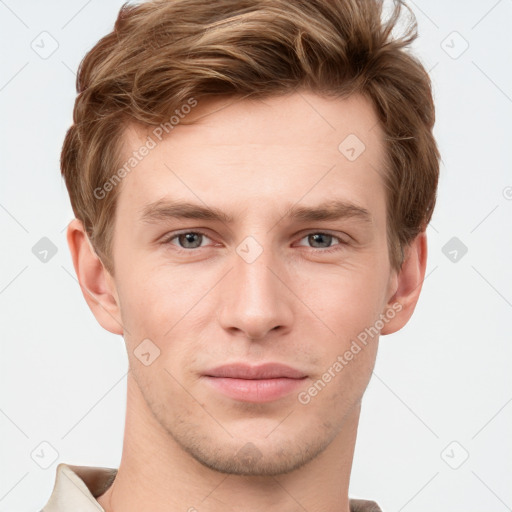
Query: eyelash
{"points": [[339, 246]]}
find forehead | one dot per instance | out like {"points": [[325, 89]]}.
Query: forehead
{"points": [[299, 147], [310, 119]]}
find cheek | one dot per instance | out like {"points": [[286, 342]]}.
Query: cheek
{"points": [[157, 301], [348, 353], [349, 304], [345, 300], [339, 387], [149, 301], [155, 306]]}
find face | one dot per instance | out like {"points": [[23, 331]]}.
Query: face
{"points": [[292, 269]]}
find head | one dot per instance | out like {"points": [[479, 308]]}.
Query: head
{"points": [[299, 135]]}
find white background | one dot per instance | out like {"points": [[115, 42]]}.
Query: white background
{"points": [[445, 377]]}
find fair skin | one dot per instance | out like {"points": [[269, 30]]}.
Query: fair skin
{"points": [[185, 440]]}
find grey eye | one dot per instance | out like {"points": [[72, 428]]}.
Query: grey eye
{"points": [[320, 238], [186, 240]]}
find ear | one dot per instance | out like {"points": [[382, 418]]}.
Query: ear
{"points": [[97, 284], [407, 285]]}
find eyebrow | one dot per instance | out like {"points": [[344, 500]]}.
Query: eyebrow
{"points": [[330, 210]]}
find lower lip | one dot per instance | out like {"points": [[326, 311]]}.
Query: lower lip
{"points": [[255, 390]]}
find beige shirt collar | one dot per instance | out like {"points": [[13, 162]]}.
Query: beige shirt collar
{"points": [[77, 487]]}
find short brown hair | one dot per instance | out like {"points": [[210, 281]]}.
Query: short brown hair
{"points": [[161, 53]]}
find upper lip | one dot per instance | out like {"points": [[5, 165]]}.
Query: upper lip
{"points": [[262, 371]]}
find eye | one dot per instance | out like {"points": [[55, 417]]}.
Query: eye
{"points": [[320, 240], [186, 240], [189, 240]]}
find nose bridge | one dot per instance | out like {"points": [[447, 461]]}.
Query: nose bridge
{"points": [[253, 299]]}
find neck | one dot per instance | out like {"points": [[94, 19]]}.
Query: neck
{"points": [[155, 473]]}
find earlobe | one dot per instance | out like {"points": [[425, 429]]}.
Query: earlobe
{"points": [[97, 285], [407, 285]]}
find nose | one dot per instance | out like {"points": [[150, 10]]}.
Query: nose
{"points": [[255, 299]]}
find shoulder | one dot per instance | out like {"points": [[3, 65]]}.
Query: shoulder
{"points": [[364, 506]]}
